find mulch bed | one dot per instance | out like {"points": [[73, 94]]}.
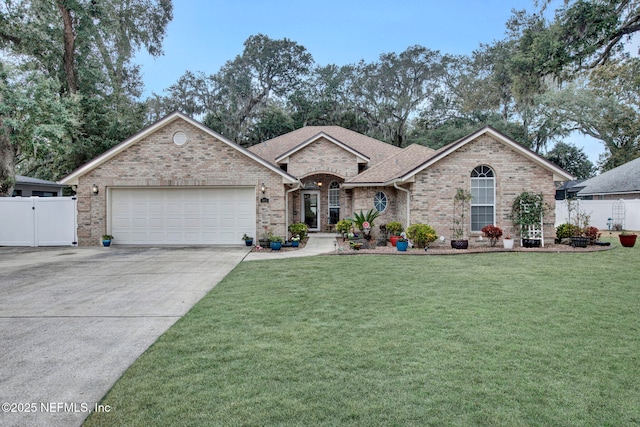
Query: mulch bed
{"points": [[440, 249]]}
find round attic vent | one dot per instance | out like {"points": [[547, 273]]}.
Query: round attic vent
{"points": [[179, 138]]}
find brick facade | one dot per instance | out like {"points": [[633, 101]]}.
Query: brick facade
{"points": [[363, 201], [152, 160], [321, 162], [155, 162], [323, 157], [435, 187]]}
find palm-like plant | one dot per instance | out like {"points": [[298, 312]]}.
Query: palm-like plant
{"points": [[364, 221]]}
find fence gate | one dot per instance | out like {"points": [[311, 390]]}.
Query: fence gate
{"points": [[38, 221]]}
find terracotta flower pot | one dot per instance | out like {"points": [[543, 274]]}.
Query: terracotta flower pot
{"points": [[628, 241], [394, 240]]}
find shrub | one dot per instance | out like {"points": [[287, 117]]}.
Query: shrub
{"points": [[492, 232], [300, 229], [564, 231], [593, 233], [343, 226], [395, 228], [421, 234]]}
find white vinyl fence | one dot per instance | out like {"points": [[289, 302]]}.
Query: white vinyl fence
{"points": [[623, 212], [38, 221]]}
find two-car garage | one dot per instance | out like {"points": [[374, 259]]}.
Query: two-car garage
{"points": [[181, 215], [177, 182]]}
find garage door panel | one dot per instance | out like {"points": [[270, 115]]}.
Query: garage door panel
{"points": [[209, 222], [226, 235], [192, 222], [139, 207], [156, 222], [182, 216], [246, 223]]}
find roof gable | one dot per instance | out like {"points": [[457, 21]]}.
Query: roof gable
{"points": [[322, 135], [72, 178], [558, 173], [366, 147]]}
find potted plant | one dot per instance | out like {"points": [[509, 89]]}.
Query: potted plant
{"points": [[507, 242], [295, 241], [344, 227], [527, 213], [579, 224], [394, 228], [248, 240], [627, 239], [265, 238], [421, 235], [106, 240], [402, 243], [275, 243], [299, 229], [492, 232], [460, 206]]}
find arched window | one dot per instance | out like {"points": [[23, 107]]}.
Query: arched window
{"points": [[483, 190], [334, 202]]}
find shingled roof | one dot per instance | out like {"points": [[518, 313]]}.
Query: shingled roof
{"points": [[376, 151], [395, 166], [624, 179]]}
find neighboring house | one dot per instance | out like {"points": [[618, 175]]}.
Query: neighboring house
{"points": [[622, 182], [569, 189], [27, 186], [178, 182]]}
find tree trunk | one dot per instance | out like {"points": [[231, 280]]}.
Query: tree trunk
{"points": [[69, 47], [7, 162]]}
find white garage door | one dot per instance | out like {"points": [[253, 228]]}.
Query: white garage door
{"points": [[182, 216]]}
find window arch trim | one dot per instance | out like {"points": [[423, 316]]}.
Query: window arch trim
{"points": [[483, 202]]}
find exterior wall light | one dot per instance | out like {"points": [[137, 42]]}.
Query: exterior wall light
{"points": [[94, 189], [263, 188]]}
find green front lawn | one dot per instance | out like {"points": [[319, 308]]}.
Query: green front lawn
{"points": [[506, 339]]}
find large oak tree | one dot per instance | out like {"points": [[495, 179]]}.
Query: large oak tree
{"points": [[84, 49]]}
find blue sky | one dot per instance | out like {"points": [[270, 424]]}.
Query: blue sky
{"points": [[204, 34]]}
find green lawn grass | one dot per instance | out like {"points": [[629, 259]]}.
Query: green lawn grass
{"points": [[503, 339]]}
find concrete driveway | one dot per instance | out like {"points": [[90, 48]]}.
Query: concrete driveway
{"points": [[72, 320]]}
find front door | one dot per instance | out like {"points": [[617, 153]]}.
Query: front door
{"points": [[311, 209]]}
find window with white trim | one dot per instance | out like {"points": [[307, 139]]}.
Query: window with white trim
{"points": [[334, 202], [380, 201], [483, 192]]}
